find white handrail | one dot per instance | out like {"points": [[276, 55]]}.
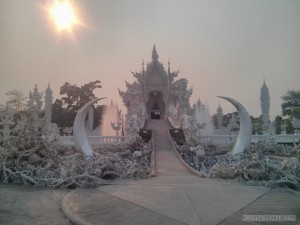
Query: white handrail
{"points": [[94, 140], [282, 138]]}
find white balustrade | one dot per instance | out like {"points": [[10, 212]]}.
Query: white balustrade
{"points": [[217, 139], [226, 139], [94, 140]]}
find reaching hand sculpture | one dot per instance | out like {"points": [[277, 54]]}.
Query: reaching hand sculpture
{"points": [[245, 134], [80, 138]]}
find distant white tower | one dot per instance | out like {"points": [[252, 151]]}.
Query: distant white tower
{"points": [[265, 107], [90, 121], [219, 117], [48, 104]]}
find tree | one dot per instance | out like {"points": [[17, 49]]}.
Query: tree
{"points": [[227, 118], [278, 122], [16, 100], [257, 124], [291, 104], [214, 120], [289, 127], [66, 108]]}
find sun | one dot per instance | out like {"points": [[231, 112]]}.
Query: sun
{"points": [[63, 15]]}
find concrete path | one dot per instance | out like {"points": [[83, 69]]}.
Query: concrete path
{"points": [[27, 205], [173, 197]]}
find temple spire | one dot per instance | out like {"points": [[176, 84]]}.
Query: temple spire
{"points": [[154, 54], [265, 106], [219, 117], [169, 67], [48, 103]]}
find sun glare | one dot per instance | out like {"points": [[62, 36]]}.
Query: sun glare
{"points": [[63, 15]]}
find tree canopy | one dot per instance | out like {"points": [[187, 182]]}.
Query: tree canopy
{"points": [[16, 100], [291, 104], [74, 97]]}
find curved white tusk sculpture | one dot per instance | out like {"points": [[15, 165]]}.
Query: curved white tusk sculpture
{"points": [[79, 134], [245, 133]]}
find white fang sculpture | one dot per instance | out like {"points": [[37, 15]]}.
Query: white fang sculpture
{"points": [[79, 134], [245, 134]]}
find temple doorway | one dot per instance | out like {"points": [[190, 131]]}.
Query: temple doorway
{"points": [[155, 112], [156, 107]]}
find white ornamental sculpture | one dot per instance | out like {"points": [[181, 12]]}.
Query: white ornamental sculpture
{"points": [[79, 134], [48, 104], [6, 121], [35, 108], [245, 134]]}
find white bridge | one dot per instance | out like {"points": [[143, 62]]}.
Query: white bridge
{"points": [[221, 139]]}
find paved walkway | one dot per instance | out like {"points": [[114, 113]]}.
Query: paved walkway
{"points": [[173, 197], [166, 160]]}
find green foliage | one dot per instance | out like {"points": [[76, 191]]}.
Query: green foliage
{"points": [[214, 120], [256, 125], [227, 118], [74, 98], [291, 104], [277, 124], [289, 127]]}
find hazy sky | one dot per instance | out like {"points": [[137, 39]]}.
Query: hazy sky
{"points": [[221, 47]]}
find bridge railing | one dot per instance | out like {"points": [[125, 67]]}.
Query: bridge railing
{"points": [[94, 140], [175, 122], [226, 139]]}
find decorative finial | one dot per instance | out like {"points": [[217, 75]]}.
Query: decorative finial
{"points": [[154, 54], [143, 64], [169, 66]]}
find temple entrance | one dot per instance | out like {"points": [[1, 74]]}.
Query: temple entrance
{"points": [[155, 112], [156, 107]]}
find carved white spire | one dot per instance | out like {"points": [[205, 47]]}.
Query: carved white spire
{"points": [[265, 106], [90, 122], [35, 99], [48, 103], [154, 54], [219, 117], [35, 107]]}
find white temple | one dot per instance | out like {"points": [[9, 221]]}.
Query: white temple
{"points": [[155, 94]]}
